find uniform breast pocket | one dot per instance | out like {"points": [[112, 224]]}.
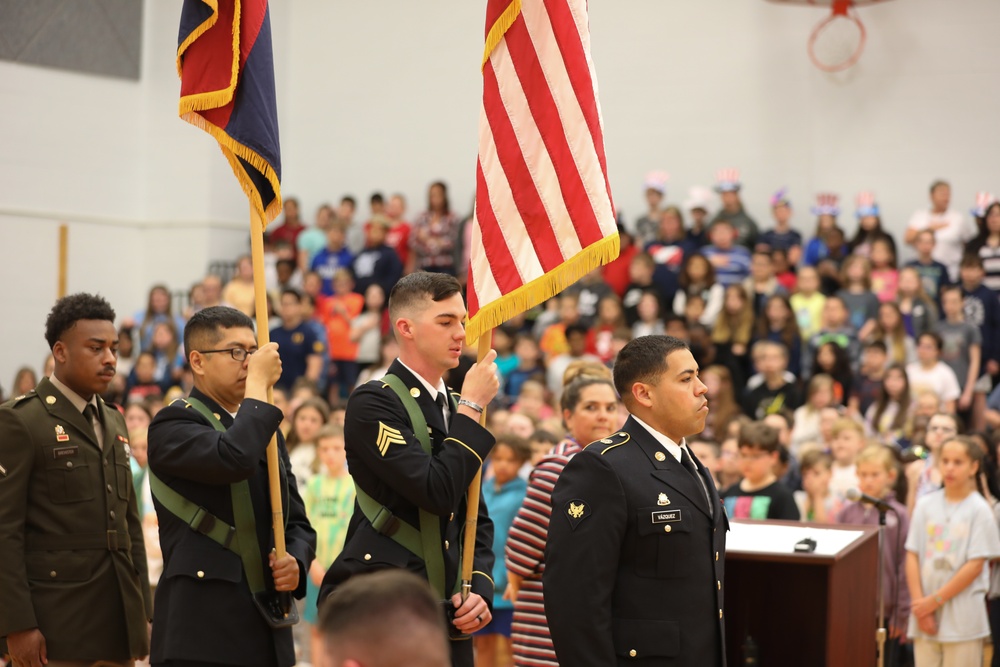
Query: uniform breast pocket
{"points": [[664, 547], [70, 477], [123, 473]]}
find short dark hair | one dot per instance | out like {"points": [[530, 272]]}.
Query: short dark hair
{"points": [[759, 435], [377, 198], [971, 260], [576, 329], [286, 262], [294, 292], [938, 342], [369, 608], [206, 325], [416, 286], [348, 199], [520, 446], [70, 309], [876, 345], [643, 359]]}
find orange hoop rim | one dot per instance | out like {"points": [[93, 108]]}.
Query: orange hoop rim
{"points": [[849, 14]]}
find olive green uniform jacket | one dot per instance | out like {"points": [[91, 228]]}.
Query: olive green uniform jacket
{"points": [[73, 559]]}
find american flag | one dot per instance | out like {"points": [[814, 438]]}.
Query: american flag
{"points": [[543, 215]]}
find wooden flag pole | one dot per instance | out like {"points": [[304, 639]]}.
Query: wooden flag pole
{"points": [[472, 503], [263, 338], [63, 259]]}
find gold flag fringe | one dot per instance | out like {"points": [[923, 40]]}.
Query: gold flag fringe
{"points": [[531, 294], [215, 98], [231, 149], [499, 27]]}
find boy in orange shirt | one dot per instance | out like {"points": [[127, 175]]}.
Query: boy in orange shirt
{"points": [[336, 314]]}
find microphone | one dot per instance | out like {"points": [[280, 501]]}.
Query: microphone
{"points": [[879, 504]]}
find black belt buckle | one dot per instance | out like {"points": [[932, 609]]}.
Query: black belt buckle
{"points": [[203, 521], [112, 540], [385, 523]]}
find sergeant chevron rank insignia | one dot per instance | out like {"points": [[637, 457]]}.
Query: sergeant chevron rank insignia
{"points": [[388, 436], [576, 511]]}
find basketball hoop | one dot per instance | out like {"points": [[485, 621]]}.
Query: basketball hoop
{"points": [[836, 43]]}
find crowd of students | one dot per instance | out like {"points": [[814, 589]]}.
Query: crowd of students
{"points": [[830, 365]]}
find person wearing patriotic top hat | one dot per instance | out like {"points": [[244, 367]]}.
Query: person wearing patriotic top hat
{"points": [[987, 243], [951, 229], [728, 186], [869, 227], [826, 212], [783, 236], [648, 225]]}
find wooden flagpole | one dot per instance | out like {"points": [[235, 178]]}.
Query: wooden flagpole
{"points": [[263, 338], [472, 502], [63, 259]]}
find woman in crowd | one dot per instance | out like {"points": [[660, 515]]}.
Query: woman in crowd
{"points": [[432, 238]]}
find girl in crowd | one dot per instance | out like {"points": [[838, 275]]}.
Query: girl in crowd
{"points": [[722, 398], [307, 420], [433, 234], [732, 333], [807, 303], [239, 292], [833, 360], [862, 305], [816, 249], [24, 381], [877, 472], [918, 310], [697, 276], [159, 308], [987, 245], [367, 328], [819, 395], [923, 476], [885, 276], [590, 412], [869, 231], [888, 418], [777, 323], [952, 537], [891, 330], [650, 323], [610, 317], [166, 349]]}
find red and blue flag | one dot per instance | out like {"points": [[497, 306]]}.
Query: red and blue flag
{"points": [[227, 89]]}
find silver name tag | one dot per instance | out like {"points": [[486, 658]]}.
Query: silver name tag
{"points": [[666, 516]]}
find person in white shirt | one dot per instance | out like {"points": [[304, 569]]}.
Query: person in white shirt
{"points": [[929, 373], [952, 230]]}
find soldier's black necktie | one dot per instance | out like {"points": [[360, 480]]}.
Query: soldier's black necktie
{"points": [[442, 403], [90, 413], [689, 465]]}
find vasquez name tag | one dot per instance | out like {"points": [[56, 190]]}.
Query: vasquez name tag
{"points": [[666, 516]]}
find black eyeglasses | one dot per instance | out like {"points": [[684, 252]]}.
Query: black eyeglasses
{"points": [[237, 353]]}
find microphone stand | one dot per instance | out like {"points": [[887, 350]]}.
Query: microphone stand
{"points": [[880, 633]]}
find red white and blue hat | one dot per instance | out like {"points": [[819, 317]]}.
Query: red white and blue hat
{"points": [[826, 204], [727, 180], [656, 180], [983, 202], [865, 205], [780, 198]]}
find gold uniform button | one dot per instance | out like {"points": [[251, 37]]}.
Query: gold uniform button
{"points": [[660, 456], [109, 488], [52, 574], [452, 517], [632, 653], [217, 416], [69, 464], [368, 556], [414, 392], [716, 555], [718, 584], [112, 514], [720, 613], [50, 399], [201, 574], [446, 545], [667, 529]]}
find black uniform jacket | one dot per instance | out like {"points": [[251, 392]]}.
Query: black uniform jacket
{"points": [[399, 475], [634, 561], [72, 559], [204, 610]]}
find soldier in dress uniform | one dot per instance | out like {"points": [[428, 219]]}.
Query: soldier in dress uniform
{"points": [[634, 562], [209, 479], [413, 447], [73, 586]]}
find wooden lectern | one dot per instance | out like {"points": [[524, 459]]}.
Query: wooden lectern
{"points": [[817, 609]]}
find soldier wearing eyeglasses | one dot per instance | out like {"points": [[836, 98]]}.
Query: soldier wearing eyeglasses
{"points": [[205, 612]]}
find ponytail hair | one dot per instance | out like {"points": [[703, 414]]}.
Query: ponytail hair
{"points": [[975, 454]]}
